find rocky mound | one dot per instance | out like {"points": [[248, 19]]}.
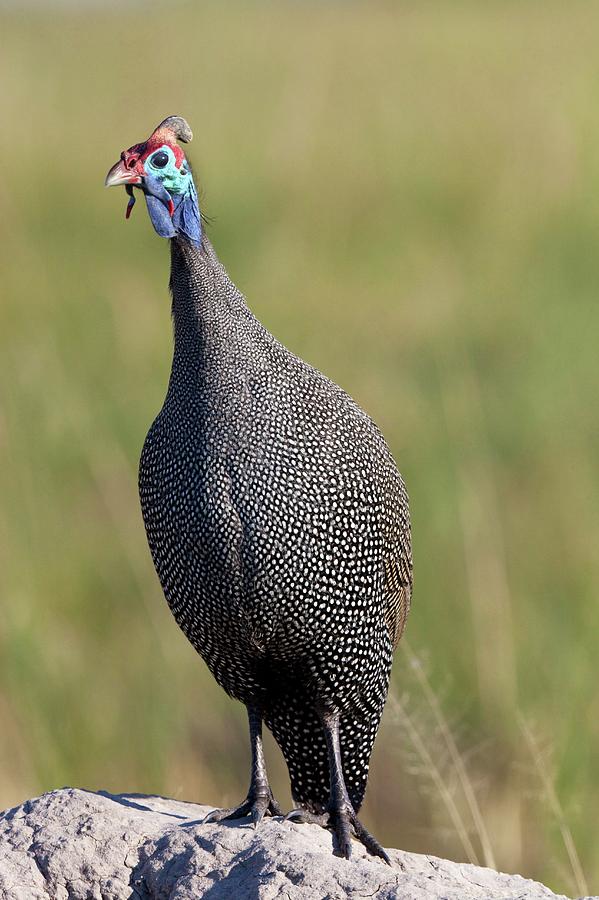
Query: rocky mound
{"points": [[78, 845]]}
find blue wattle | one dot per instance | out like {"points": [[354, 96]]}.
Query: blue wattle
{"points": [[159, 215], [186, 219]]}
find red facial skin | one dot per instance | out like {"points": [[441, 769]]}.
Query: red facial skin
{"points": [[135, 156], [130, 168]]}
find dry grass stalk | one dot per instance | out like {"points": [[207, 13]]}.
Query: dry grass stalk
{"points": [[455, 755], [555, 806], [437, 778], [483, 539]]}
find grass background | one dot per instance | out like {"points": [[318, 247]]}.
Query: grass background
{"points": [[408, 194]]}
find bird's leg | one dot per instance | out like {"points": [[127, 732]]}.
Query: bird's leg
{"points": [[343, 818], [259, 800], [340, 815]]}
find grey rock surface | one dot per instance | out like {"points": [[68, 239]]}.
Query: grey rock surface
{"points": [[78, 845]]}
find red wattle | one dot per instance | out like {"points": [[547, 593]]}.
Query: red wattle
{"points": [[171, 208]]}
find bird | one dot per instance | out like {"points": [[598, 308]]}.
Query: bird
{"points": [[277, 521]]}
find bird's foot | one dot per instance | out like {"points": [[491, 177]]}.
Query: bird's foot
{"points": [[344, 824], [303, 817], [256, 806]]}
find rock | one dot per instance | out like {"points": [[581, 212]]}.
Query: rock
{"points": [[79, 845]]}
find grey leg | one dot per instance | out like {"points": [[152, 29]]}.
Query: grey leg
{"points": [[259, 800], [340, 816]]}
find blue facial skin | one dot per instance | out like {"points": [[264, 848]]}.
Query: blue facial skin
{"points": [[164, 182]]}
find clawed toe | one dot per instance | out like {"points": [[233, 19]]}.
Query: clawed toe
{"points": [[273, 807], [303, 817], [220, 815], [342, 828], [258, 809], [255, 807], [344, 824], [370, 842], [295, 815]]}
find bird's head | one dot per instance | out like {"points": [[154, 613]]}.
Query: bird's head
{"points": [[159, 169]]}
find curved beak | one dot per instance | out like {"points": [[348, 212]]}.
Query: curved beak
{"points": [[119, 174]]}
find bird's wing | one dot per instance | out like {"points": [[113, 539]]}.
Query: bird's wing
{"points": [[398, 577]]}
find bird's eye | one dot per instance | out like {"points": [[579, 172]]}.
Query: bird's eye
{"points": [[159, 160]]}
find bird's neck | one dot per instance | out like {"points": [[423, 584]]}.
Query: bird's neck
{"points": [[211, 318]]}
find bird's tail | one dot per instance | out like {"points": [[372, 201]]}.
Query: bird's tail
{"points": [[300, 734]]}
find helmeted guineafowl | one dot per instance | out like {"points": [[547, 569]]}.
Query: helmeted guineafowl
{"points": [[276, 517]]}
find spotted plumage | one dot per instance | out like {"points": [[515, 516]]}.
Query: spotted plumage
{"points": [[278, 524]]}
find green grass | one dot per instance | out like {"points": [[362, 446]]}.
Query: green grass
{"points": [[409, 196]]}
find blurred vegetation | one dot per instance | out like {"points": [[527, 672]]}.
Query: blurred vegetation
{"points": [[408, 194]]}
